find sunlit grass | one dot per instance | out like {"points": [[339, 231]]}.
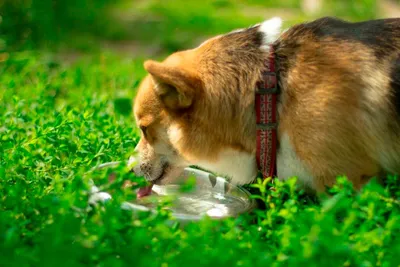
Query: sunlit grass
{"points": [[57, 122], [62, 114]]}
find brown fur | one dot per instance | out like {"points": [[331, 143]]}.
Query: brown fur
{"points": [[324, 110], [335, 103]]}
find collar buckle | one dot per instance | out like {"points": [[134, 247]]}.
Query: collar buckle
{"points": [[269, 85]]}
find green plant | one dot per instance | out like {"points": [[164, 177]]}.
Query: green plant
{"points": [[57, 122], [59, 119]]}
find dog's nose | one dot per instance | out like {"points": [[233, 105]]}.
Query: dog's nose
{"points": [[133, 164]]}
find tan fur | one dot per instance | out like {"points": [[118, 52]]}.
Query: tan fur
{"points": [[335, 127], [205, 128], [335, 106]]}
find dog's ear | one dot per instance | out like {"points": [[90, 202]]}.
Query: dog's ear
{"points": [[175, 86]]}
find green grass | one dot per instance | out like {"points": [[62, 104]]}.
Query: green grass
{"points": [[59, 119]]}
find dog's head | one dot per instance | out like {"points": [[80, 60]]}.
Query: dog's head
{"points": [[196, 107]]}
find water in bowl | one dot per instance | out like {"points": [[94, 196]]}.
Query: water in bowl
{"points": [[199, 202]]}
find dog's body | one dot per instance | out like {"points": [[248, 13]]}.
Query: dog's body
{"points": [[338, 109]]}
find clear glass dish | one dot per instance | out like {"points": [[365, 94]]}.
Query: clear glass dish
{"points": [[194, 195]]}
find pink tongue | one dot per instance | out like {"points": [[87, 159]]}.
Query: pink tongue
{"points": [[144, 191]]}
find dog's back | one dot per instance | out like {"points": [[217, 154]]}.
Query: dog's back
{"points": [[341, 100]]}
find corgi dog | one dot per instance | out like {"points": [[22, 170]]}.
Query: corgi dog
{"points": [[316, 101]]}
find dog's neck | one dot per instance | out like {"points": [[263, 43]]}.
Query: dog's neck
{"points": [[266, 117]]}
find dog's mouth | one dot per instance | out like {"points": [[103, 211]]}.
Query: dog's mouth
{"points": [[164, 171], [146, 191]]}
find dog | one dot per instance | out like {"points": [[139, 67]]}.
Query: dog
{"points": [[336, 110]]}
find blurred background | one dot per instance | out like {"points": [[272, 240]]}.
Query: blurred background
{"points": [[151, 28]]}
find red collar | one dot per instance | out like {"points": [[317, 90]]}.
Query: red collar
{"points": [[266, 111]]}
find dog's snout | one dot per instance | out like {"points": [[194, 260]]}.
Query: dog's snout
{"points": [[151, 170], [145, 169]]}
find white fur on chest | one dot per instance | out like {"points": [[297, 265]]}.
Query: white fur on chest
{"points": [[239, 166], [289, 165]]}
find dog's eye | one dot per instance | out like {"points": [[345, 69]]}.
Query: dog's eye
{"points": [[143, 129]]}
